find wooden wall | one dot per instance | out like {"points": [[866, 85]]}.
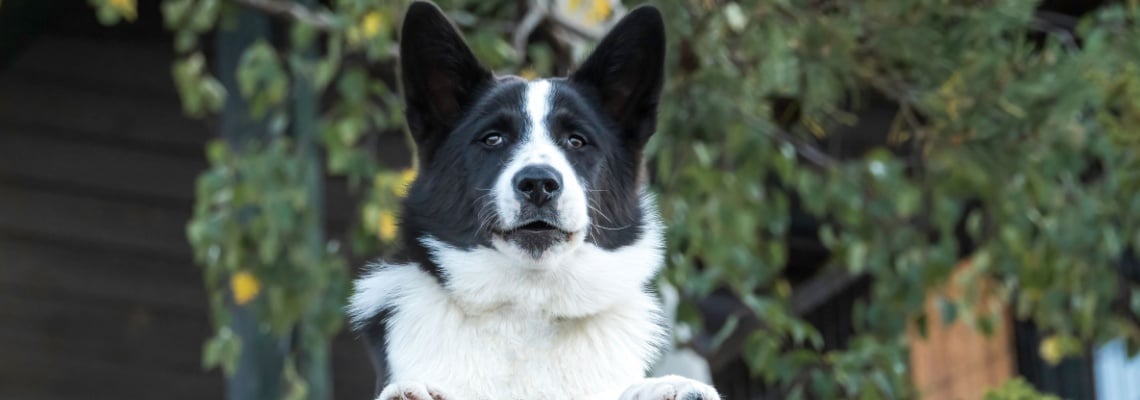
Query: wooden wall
{"points": [[99, 298], [956, 361]]}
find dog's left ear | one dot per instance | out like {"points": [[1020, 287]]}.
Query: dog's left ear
{"points": [[626, 71]]}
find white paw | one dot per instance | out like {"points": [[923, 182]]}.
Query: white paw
{"points": [[670, 387], [411, 391]]}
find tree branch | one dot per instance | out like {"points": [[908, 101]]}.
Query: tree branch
{"points": [[1056, 24], [805, 298], [538, 11], [822, 287], [575, 28], [295, 12], [803, 148]]}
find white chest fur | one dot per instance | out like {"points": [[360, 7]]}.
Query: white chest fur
{"points": [[583, 324], [513, 353]]}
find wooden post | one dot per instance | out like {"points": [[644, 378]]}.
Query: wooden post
{"points": [[313, 360], [258, 374]]}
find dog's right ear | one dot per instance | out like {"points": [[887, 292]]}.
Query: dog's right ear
{"points": [[440, 74], [627, 71]]}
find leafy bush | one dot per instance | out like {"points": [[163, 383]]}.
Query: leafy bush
{"points": [[1010, 140], [1017, 389]]}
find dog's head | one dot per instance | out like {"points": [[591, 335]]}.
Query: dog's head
{"points": [[530, 169]]}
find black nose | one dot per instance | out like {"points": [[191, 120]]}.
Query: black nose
{"points": [[538, 184]]}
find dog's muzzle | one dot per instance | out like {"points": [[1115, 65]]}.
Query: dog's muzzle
{"points": [[538, 225], [537, 186]]}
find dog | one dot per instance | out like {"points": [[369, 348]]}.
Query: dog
{"points": [[529, 240]]}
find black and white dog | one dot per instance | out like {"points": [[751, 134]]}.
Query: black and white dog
{"points": [[529, 240]]}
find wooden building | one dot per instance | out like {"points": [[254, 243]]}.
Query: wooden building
{"points": [[99, 297]]}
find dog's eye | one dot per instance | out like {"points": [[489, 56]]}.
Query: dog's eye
{"points": [[492, 139], [575, 142]]}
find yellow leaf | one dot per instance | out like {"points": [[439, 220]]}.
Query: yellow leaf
{"points": [[372, 24], [245, 287], [1050, 350], [815, 128], [1012, 109], [386, 226], [528, 74], [126, 8], [949, 92], [952, 108], [406, 178], [599, 10], [783, 289]]}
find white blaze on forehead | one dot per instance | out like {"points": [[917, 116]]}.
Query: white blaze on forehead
{"points": [[538, 147], [538, 104]]}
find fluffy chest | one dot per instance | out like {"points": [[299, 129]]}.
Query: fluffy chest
{"points": [[518, 351]]}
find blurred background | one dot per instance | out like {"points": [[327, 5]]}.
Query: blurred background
{"points": [[871, 199]]}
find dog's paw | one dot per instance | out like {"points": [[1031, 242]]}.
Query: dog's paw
{"points": [[411, 391], [670, 387]]}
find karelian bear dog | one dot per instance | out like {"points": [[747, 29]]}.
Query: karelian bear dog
{"points": [[529, 241]]}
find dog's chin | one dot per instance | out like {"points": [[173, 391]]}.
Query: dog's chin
{"points": [[536, 238]]}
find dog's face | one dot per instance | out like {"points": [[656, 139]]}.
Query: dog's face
{"points": [[531, 169]]}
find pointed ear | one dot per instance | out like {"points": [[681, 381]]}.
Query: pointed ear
{"points": [[439, 73], [626, 72]]}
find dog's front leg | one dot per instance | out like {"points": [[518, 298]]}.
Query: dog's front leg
{"points": [[412, 391], [669, 387]]}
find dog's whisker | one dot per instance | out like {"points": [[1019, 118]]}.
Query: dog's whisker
{"points": [[485, 215], [600, 212]]}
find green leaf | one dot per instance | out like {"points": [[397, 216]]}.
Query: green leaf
{"points": [[302, 35], [175, 12], [857, 257], [185, 41], [222, 350], [204, 16], [353, 85]]}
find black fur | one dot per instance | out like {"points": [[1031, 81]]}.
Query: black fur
{"points": [[452, 100], [439, 73], [375, 337]]}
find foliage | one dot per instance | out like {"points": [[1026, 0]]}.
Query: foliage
{"points": [[1041, 134], [110, 12], [257, 228], [1017, 389], [999, 121], [247, 235]]}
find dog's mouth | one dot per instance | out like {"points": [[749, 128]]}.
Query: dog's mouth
{"points": [[535, 236], [537, 226]]}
